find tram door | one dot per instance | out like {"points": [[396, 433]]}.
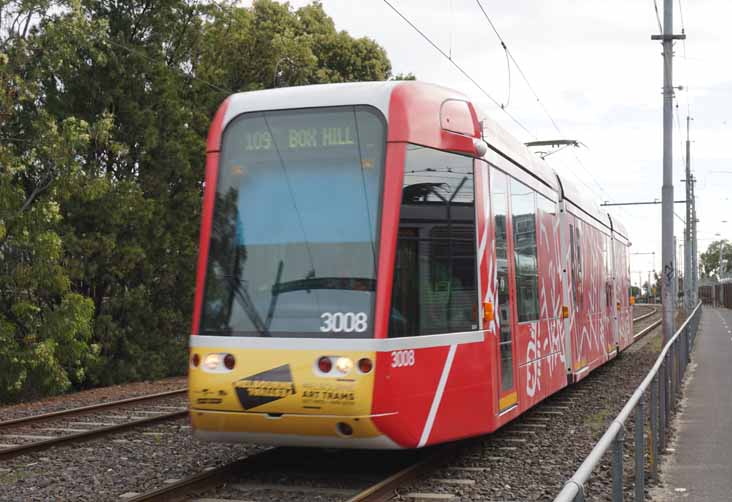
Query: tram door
{"points": [[506, 385]]}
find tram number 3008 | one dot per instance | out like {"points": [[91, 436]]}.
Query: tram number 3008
{"points": [[400, 358], [344, 322]]}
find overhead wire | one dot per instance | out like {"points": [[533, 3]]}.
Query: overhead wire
{"points": [[510, 55], [658, 17], [459, 68]]}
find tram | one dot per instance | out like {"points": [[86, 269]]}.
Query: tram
{"points": [[382, 266]]}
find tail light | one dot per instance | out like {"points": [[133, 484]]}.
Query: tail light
{"points": [[325, 364], [195, 360], [229, 361], [365, 365]]}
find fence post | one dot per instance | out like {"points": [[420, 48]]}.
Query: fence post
{"points": [[671, 380], [654, 427], [618, 466], [679, 358], [662, 406], [667, 384], [639, 453]]}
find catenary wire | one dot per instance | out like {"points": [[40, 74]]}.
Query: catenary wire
{"points": [[541, 104], [510, 55], [458, 67], [658, 16]]}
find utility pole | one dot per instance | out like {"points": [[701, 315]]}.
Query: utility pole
{"points": [[688, 274], [667, 191], [694, 257], [675, 282]]}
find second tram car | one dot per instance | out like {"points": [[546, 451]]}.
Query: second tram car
{"points": [[382, 266]]}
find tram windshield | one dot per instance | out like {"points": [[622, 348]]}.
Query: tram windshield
{"points": [[294, 232]]}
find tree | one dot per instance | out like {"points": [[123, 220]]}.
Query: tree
{"points": [[45, 326], [104, 113], [709, 260]]}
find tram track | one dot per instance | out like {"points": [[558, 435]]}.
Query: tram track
{"points": [[286, 472], [37, 432], [248, 478]]}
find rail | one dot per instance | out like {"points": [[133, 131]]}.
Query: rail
{"points": [[664, 381]]}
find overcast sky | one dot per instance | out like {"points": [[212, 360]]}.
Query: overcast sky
{"points": [[594, 67]]}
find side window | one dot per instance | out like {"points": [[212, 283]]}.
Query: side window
{"points": [[435, 287], [578, 254], [498, 204], [573, 264], [523, 215], [608, 271]]}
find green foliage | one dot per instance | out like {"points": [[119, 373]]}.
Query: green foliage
{"points": [[404, 76], [709, 262], [104, 110]]}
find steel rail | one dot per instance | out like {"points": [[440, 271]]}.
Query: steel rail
{"points": [[646, 330], [91, 407], [380, 491], [207, 478], [6, 453], [644, 316], [574, 487], [384, 490]]}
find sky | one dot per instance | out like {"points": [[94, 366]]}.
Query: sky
{"points": [[599, 76]]}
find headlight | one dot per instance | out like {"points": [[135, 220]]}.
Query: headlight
{"points": [[212, 361], [344, 365]]}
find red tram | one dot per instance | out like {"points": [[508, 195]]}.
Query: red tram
{"points": [[382, 266]]}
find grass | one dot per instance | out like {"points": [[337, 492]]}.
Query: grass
{"points": [[597, 422], [11, 477], [656, 344]]}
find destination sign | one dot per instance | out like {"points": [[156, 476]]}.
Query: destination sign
{"points": [[301, 138]]}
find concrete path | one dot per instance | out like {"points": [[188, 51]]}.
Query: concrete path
{"points": [[700, 469]]}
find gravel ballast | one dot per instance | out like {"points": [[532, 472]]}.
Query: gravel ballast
{"points": [[529, 459], [515, 465], [89, 397]]}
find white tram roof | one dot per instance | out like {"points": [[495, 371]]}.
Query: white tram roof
{"points": [[378, 95], [505, 143]]}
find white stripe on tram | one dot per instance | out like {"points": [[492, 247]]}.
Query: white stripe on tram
{"points": [[330, 344], [438, 397]]}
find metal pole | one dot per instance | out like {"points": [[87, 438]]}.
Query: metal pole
{"points": [[654, 427], [667, 384], [618, 467], [650, 289], [639, 453], [662, 406], [688, 280], [721, 287], [667, 191], [675, 282], [679, 363], [694, 257]]}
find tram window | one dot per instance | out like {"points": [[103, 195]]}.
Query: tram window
{"points": [[523, 215], [545, 205], [578, 279], [573, 263], [608, 277], [434, 286], [498, 204]]}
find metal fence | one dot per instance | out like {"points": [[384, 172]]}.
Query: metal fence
{"points": [[663, 381], [719, 295]]}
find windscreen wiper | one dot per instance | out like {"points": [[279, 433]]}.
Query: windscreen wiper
{"points": [[242, 295], [275, 294]]}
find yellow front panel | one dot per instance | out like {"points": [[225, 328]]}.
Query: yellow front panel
{"points": [[281, 381]]}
